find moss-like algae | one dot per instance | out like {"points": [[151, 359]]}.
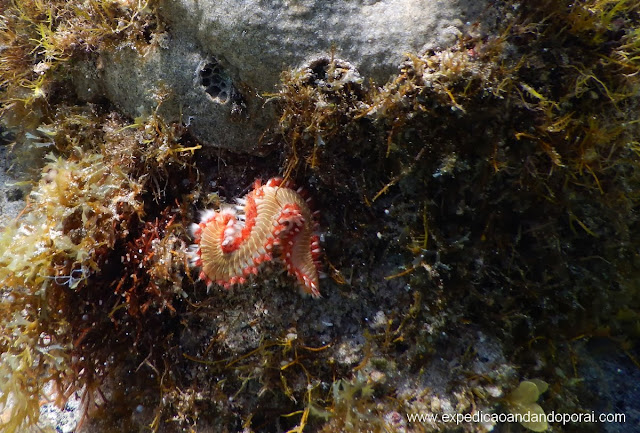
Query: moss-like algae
{"points": [[83, 221], [511, 183]]}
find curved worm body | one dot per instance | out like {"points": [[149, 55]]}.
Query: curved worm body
{"points": [[233, 242]]}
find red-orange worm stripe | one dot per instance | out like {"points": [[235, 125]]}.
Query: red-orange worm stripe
{"points": [[231, 244]]}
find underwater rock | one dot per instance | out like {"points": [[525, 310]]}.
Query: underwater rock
{"points": [[217, 62], [180, 82], [260, 39]]}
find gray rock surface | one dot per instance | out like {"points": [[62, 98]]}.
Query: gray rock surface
{"points": [[172, 80], [219, 60], [258, 39]]}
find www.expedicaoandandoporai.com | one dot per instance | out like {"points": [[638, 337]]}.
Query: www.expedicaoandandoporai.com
{"points": [[528, 417]]}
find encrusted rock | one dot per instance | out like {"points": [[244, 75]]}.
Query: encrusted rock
{"points": [[218, 60]]}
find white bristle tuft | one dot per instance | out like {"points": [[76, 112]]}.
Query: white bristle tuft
{"points": [[207, 215], [228, 210]]}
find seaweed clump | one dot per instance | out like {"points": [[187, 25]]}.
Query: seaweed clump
{"points": [[39, 40], [82, 269], [506, 169], [320, 102], [61, 240]]}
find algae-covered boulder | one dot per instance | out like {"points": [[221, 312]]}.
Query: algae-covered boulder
{"points": [[217, 61]]}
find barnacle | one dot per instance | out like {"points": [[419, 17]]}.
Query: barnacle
{"points": [[231, 246]]}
